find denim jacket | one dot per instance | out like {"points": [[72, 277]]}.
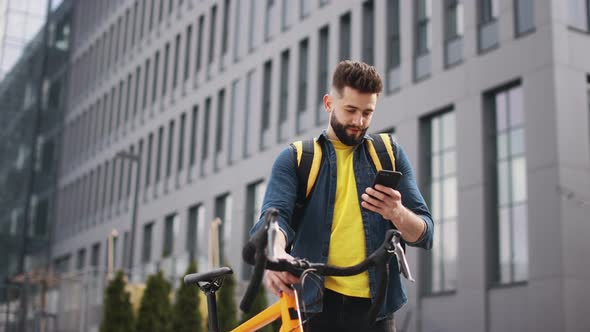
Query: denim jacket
{"points": [[312, 238]]}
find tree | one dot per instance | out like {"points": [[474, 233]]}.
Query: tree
{"points": [[117, 311], [155, 309], [186, 316], [260, 303], [226, 304]]}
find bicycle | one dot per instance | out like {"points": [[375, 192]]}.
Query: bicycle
{"points": [[287, 307]]}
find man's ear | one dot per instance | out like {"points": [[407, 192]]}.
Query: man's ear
{"points": [[328, 103]]}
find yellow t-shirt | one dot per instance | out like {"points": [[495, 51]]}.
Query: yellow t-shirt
{"points": [[347, 244]]}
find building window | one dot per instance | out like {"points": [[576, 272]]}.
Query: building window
{"points": [[105, 184], [81, 259], [128, 98], [114, 253], [205, 147], [196, 217], [508, 201], [212, 30], [302, 84], [579, 14], [223, 209], [155, 83], [224, 32], [187, 51], [237, 29], [219, 126], [266, 95], [200, 42], [134, 27], [170, 149], [126, 253], [252, 28], [524, 16], [159, 154], [453, 21], [145, 85], [129, 177], [125, 33], [119, 104], [175, 65], [323, 75], [286, 14], [248, 107], [193, 145], [165, 73], [487, 24], [168, 244], [231, 126], [304, 8], [151, 18], [423, 11], [368, 39], [146, 252], [180, 165], [270, 19], [148, 163], [95, 257], [113, 178], [345, 36], [161, 12], [284, 95], [440, 169], [254, 197], [136, 89], [393, 42], [121, 181]]}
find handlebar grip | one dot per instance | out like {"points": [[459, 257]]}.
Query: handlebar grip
{"points": [[254, 284], [382, 278], [254, 253]]}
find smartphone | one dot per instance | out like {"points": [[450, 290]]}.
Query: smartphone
{"points": [[386, 178]]}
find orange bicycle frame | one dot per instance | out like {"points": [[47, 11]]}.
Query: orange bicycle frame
{"points": [[286, 308]]}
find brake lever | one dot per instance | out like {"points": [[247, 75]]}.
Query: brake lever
{"points": [[402, 262]]}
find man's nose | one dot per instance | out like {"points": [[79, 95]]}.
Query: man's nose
{"points": [[357, 120]]}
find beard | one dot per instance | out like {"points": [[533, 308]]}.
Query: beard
{"points": [[343, 136]]}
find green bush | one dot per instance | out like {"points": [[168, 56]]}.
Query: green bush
{"points": [[117, 311], [155, 311], [226, 304], [186, 316]]}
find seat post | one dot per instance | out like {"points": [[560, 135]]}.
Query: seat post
{"points": [[212, 309]]}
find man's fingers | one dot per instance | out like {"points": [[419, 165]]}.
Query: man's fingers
{"points": [[278, 282]]}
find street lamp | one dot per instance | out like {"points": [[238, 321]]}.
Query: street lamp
{"points": [[130, 249]]}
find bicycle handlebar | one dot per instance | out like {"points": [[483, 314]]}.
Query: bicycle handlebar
{"points": [[255, 253]]}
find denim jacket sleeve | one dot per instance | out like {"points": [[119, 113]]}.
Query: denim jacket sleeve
{"points": [[412, 198], [281, 192]]}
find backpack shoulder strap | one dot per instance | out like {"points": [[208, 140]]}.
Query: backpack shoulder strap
{"points": [[309, 159], [380, 150]]}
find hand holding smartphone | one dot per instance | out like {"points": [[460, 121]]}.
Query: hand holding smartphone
{"points": [[389, 179]]}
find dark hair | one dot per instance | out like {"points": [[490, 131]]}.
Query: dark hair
{"points": [[357, 75]]}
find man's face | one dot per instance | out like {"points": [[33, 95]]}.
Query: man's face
{"points": [[351, 114]]}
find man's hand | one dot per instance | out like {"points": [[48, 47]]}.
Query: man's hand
{"points": [[278, 282], [385, 201], [388, 203]]}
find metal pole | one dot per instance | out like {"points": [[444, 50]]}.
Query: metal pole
{"points": [[31, 184], [134, 216]]}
